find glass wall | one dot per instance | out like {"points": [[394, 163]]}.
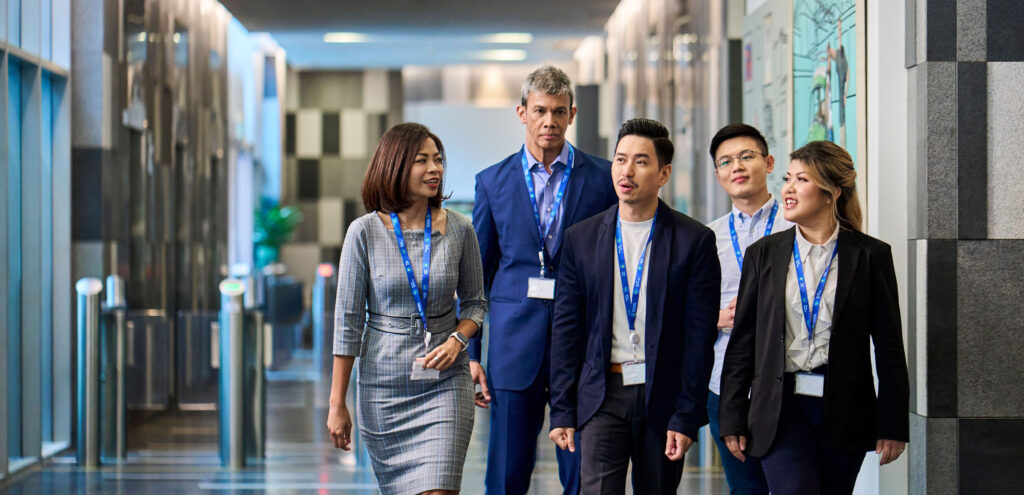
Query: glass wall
{"points": [[35, 281]]}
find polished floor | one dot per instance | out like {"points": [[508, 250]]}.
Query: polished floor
{"points": [[176, 454]]}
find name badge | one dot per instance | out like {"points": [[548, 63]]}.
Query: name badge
{"points": [[809, 384], [541, 288], [634, 373], [421, 373]]}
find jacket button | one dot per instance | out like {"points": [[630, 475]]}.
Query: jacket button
{"points": [[782, 339], [778, 377]]}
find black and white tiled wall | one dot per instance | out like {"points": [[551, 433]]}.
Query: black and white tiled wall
{"points": [[966, 62], [333, 122]]}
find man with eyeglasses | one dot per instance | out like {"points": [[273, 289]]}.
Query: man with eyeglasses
{"points": [[742, 164]]}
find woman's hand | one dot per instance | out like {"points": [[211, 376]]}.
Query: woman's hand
{"points": [[339, 424], [442, 357], [889, 450]]}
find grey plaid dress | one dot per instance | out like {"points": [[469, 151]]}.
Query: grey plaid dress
{"points": [[416, 431]]}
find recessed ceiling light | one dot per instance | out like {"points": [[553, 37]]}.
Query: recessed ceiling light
{"points": [[500, 55], [509, 38], [346, 38]]}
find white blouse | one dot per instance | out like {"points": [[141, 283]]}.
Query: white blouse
{"points": [[803, 354]]}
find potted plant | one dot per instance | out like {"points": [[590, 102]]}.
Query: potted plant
{"points": [[274, 225]]}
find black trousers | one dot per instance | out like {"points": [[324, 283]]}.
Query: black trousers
{"points": [[618, 433], [802, 459]]}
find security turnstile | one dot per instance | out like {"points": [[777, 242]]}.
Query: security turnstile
{"points": [[324, 291], [101, 371], [242, 354]]}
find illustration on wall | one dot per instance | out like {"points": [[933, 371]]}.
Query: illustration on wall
{"points": [[824, 73]]}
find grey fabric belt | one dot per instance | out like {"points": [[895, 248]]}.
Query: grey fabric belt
{"points": [[410, 325]]}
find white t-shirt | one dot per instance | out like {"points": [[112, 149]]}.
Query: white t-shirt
{"points": [[634, 237]]}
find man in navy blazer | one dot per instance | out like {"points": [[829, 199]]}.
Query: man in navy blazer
{"points": [[545, 187], [632, 342]]}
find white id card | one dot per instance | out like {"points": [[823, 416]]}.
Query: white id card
{"points": [[634, 373], [421, 373], [541, 288], [809, 384]]}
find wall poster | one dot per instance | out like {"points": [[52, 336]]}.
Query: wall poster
{"points": [[825, 73], [766, 80]]}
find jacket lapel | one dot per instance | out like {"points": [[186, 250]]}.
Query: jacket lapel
{"points": [[573, 194], [521, 195], [607, 277], [848, 258], [781, 258], [657, 282]]}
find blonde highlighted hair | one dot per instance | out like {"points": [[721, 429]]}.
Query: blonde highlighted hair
{"points": [[830, 167]]}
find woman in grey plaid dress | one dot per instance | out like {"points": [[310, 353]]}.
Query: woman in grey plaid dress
{"points": [[415, 394]]}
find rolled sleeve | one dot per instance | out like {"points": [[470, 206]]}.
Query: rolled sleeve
{"points": [[353, 285]]}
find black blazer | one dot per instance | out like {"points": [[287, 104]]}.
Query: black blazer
{"points": [[866, 309], [683, 280]]}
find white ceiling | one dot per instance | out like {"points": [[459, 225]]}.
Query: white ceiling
{"points": [[422, 32]]}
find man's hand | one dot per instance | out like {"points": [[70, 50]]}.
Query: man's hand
{"points": [[564, 438], [727, 316], [890, 450], [737, 445], [483, 397], [676, 444]]}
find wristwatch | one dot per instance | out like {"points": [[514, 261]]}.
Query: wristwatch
{"points": [[461, 338]]}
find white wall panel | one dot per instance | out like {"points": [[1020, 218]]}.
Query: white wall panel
{"points": [[331, 218], [353, 133], [308, 133], [1005, 126], [375, 91]]}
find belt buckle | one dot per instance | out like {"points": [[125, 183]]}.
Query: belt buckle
{"points": [[416, 324]]}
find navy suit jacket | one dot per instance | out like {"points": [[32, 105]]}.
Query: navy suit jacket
{"points": [[519, 331], [683, 284]]}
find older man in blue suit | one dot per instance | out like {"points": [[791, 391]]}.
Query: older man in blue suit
{"points": [[523, 206], [634, 327]]}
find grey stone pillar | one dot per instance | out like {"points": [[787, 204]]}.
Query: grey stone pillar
{"points": [[966, 254]]}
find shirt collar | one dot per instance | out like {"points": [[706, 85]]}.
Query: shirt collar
{"points": [[761, 212], [805, 245], [562, 159]]}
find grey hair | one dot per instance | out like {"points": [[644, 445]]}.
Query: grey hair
{"points": [[549, 80]]}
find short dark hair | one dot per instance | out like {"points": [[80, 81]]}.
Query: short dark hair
{"points": [[734, 131], [386, 182], [653, 130]]}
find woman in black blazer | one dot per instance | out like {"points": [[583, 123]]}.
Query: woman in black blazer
{"points": [[811, 301]]}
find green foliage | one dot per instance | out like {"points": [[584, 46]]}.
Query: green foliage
{"points": [[275, 224]]}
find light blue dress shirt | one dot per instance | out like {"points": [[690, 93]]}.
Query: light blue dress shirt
{"points": [[748, 230], [546, 185]]}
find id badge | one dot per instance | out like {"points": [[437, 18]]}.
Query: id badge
{"points": [[809, 384], [541, 288], [634, 373], [421, 373]]}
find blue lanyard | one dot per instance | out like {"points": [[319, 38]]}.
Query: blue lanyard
{"points": [[558, 196], [632, 304], [418, 295], [735, 239], [811, 314]]}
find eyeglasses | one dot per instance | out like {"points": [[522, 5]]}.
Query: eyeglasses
{"points": [[745, 158]]}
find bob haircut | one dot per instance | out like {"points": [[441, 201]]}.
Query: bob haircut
{"points": [[386, 182]]}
